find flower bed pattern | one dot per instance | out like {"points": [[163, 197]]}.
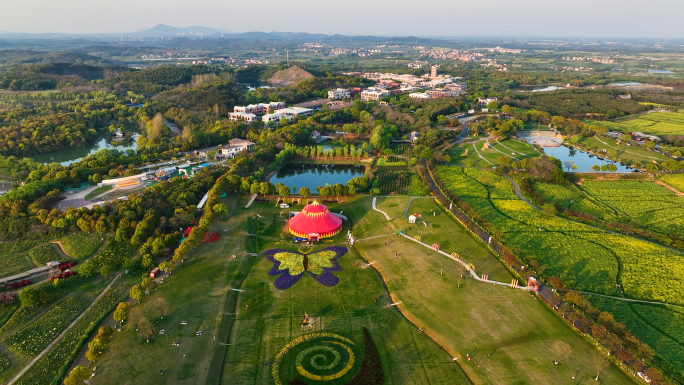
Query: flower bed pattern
{"points": [[312, 362], [292, 265]]}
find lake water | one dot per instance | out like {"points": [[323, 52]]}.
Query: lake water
{"points": [[314, 175], [660, 72], [583, 160], [627, 84], [67, 157], [546, 89]]}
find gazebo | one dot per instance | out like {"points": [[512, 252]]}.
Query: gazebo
{"points": [[315, 220]]}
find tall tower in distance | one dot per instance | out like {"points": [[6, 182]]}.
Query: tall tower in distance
{"points": [[433, 71]]}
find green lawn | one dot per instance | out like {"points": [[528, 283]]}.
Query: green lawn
{"points": [[628, 154], [477, 156], [98, 191], [82, 245], [479, 319]]}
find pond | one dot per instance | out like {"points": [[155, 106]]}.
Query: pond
{"points": [[546, 89], [583, 160], [67, 157], [626, 84], [314, 175], [660, 72]]}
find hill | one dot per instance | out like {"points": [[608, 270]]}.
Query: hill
{"points": [[289, 76]]}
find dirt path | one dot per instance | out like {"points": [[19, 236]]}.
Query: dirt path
{"points": [[667, 186], [59, 248], [59, 337]]}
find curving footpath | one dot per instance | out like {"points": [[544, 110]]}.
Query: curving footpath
{"points": [[468, 267], [380, 211]]}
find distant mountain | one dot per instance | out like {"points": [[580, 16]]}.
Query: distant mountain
{"points": [[170, 31]]}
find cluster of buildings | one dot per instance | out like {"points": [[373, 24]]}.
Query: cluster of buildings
{"points": [[268, 113], [388, 84], [572, 69], [590, 59]]}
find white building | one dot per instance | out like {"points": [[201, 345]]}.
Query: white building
{"points": [[272, 118], [374, 93], [486, 101], [339, 93], [242, 116], [261, 108], [412, 219], [420, 95], [413, 136]]}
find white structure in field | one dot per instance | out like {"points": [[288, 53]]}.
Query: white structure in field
{"points": [[412, 219], [413, 136], [339, 93], [374, 93]]}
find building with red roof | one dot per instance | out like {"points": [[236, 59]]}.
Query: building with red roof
{"points": [[315, 219]]}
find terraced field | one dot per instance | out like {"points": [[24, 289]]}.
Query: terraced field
{"points": [[655, 123], [584, 257]]}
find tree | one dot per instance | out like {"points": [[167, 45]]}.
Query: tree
{"points": [[447, 158], [304, 191], [87, 268], [135, 315], [506, 109], [220, 209], [145, 328], [121, 311], [493, 105], [77, 376], [148, 284], [95, 348], [596, 168], [600, 362], [604, 168], [160, 308], [284, 191], [561, 351], [655, 376], [105, 333], [549, 209], [136, 293], [612, 167], [29, 297], [626, 137]]}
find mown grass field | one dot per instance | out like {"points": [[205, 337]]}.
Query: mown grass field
{"points": [[654, 123], [584, 257], [82, 245], [267, 319], [477, 156]]}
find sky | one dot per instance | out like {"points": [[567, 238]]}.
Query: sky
{"points": [[552, 18]]}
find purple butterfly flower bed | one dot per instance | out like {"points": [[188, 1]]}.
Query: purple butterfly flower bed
{"points": [[291, 265]]}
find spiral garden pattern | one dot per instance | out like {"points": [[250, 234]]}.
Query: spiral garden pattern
{"points": [[329, 357]]}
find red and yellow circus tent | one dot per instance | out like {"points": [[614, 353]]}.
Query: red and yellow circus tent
{"points": [[315, 219]]}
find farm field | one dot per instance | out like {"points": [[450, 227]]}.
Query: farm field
{"points": [[654, 123], [575, 199], [268, 319], [646, 203], [562, 247], [674, 180], [639, 203]]}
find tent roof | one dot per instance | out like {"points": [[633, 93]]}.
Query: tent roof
{"points": [[315, 218]]}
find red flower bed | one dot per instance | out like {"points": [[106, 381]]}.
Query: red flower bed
{"points": [[17, 284], [65, 274], [65, 265]]}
